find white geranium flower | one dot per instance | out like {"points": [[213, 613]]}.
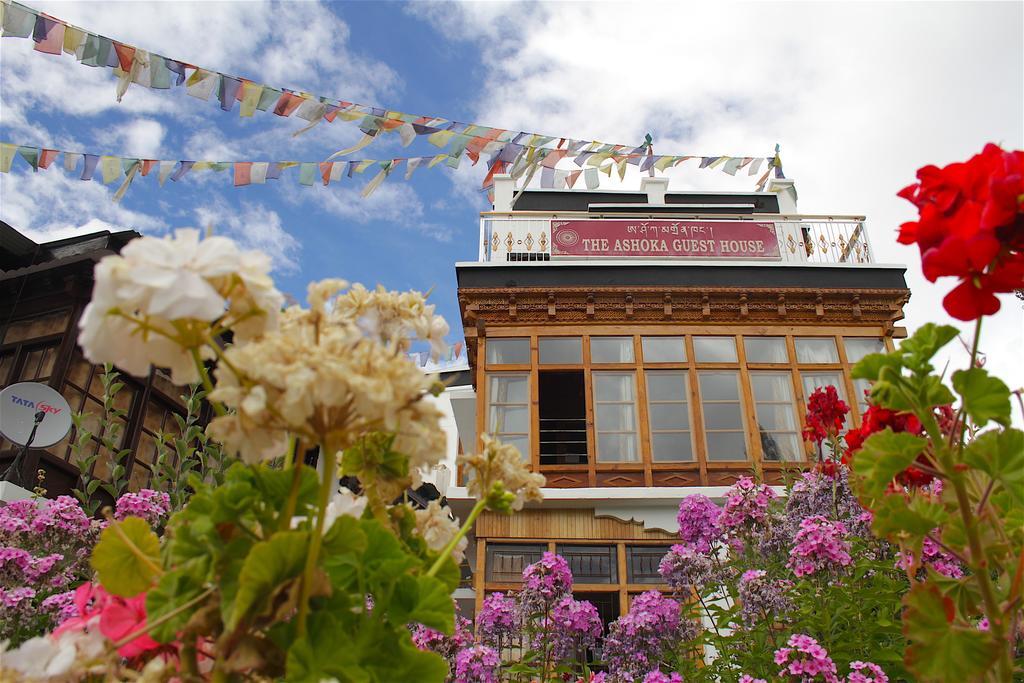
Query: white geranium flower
{"points": [[342, 503], [436, 526], [155, 300], [41, 658]]}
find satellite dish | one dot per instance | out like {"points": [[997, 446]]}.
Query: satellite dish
{"points": [[19, 404]]}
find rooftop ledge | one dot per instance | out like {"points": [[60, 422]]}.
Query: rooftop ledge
{"points": [[669, 262]]}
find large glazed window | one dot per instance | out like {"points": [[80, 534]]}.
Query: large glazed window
{"points": [[508, 410], [724, 433], [668, 411], [511, 351], [611, 350], [560, 350], [664, 349], [856, 349], [715, 349], [777, 425], [816, 350], [820, 380], [765, 349], [615, 417], [506, 562]]}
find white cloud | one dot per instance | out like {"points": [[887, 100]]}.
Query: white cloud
{"points": [[859, 95], [51, 205], [254, 227], [140, 137], [394, 202]]}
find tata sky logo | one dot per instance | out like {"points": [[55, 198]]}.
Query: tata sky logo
{"points": [[39, 406]]}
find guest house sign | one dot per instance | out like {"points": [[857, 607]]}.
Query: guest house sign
{"points": [[688, 239]]}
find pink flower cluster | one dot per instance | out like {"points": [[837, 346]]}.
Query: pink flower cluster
{"points": [[477, 664], [747, 678], [657, 676], [152, 506], [15, 597], [62, 514], [805, 661], [762, 598], [698, 522], [638, 640], [61, 606], [572, 628], [746, 505], [686, 569], [550, 577], [932, 555], [497, 619], [820, 545], [866, 672], [429, 640]]}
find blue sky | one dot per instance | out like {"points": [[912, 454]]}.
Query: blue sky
{"points": [[859, 95]]}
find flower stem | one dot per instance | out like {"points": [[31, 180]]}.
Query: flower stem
{"points": [[447, 550], [327, 484], [149, 626], [207, 384]]}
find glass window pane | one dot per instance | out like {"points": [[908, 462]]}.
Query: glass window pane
{"points": [[521, 443], [776, 416], [779, 446], [666, 385], [863, 388], [509, 388], [858, 347], [726, 446], [772, 386], [642, 563], [719, 386], [615, 417], [672, 446], [715, 349], [814, 380], [617, 448], [669, 416], [816, 350], [591, 563], [765, 349], [611, 349], [508, 351], [723, 416], [664, 349], [560, 350], [506, 562], [613, 386], [509, 419]]}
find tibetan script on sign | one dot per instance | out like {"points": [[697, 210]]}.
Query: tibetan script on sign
{"points": [[688, 239]]}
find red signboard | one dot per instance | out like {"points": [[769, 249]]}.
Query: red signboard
{"points": [[688, 239]]}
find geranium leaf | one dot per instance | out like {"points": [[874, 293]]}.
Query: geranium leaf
{"points": [[884, 455], [1000, 454], [984, 397], [870, 366], [127, 557], [939, 649], [268, 565], [917, 517], [423, 600], [918, 349], [173, 590]]}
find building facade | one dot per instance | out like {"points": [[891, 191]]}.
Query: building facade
{"points": [[639, 347], [43, 290]]}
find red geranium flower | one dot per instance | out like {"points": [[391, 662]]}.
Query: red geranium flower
{"points": [[877, 419], [826, 414], [971, 226]]}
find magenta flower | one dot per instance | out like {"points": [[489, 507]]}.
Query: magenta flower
{"points": [[746, 505], [932, 555], [820, 545], [747, 678], [152, 506], [866, 672], [685, 569], [805, 661], [762, 597], [641, 639], [477, 664], [657, 676], [497, 619], [698, 522]]}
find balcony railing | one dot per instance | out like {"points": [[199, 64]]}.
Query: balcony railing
{"points": [[526, 236]]}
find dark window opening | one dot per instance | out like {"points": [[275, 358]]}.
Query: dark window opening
{"points": [[591, 563], [563, 418], [642, 563], [607, 605]]}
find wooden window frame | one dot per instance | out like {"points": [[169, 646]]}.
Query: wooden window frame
{"points": [[700, 465]]}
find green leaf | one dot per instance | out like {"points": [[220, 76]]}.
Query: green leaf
{"points": [[984, 397], [127, 557], [268, 565], [423, 600], [343, 546], [1000, 454], [884, 455], [919, 349], [870, 366], [174, 589], [918, 517], [940, 650]]}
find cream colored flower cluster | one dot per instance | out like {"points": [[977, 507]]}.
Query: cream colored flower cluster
{"points": [[393, 317], [320, 378], [499, 476], [157, 299], [436, 526]]}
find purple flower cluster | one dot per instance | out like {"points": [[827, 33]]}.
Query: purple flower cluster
{"points": [[698, 522], [13, 598], [686, 569], [573, 627], [639, 640], [61, 606], [152, 506], [544, 582], [746, 505], [805, 661], [657, 676], [866, 672], [816, 493], [497, 619], [762, 598], [62, 514], [747, 678], [820, 545], [932, 555], [429, 640], [477, 664]]}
